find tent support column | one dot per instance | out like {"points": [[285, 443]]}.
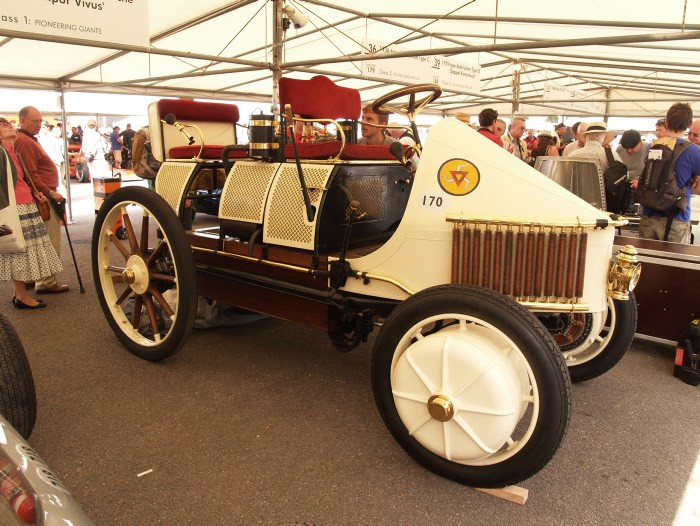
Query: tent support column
{"points": [[607, 106], [277, 42], [66, 160], [516, 87]]}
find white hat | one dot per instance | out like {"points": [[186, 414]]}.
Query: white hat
{"points": [[596, 127], [545, 133]]}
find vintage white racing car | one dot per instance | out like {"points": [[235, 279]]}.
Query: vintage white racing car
{"points": [[455, 262]]}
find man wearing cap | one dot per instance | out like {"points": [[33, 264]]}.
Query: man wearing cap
{"points": [[593, 149], [662, 225], [633, 152], [579, 130]]}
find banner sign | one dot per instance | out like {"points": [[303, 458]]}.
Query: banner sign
{"points": [[115, 21], [554, 91], [437, 69]]}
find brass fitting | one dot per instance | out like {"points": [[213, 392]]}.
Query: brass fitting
{"points": [[624, 273]]}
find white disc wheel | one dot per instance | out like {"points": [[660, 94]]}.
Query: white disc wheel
{"points": [[146, 282], [592, 343], [471, 386]]}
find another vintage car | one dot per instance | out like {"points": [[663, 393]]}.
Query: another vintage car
{"points": [[455, 264], [77, 164], [29, 492]]}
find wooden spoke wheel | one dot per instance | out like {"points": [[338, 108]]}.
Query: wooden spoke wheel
{"points": [[146, 283]]}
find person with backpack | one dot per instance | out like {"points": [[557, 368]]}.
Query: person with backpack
{"points": [[664, 189]]}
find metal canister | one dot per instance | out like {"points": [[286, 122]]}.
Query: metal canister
{"points": [[350, 131], [261, 137]]}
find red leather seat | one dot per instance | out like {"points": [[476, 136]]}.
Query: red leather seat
{"points": [[321, 98]]}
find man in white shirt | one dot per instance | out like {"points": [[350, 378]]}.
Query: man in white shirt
{"points": [[513, 140], [595, 135], [579, 130]]}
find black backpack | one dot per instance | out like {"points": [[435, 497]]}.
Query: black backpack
{"points": [[617, 185], [658, 189]]}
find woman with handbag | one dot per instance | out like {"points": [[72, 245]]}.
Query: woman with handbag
{"points": [[38, 259]]}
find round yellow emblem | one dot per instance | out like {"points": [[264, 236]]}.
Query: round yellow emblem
{"points": [[458, 177]]}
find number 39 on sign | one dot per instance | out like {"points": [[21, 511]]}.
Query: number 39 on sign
{"points": [[432, 201]]}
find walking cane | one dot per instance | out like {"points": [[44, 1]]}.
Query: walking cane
{"points": [[60, 208]]}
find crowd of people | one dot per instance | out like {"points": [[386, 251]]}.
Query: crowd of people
{"points": [[590, 140]]}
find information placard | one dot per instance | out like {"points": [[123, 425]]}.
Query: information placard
{"points": [[115, 21], [554, 91], [405, 69], [449, 73]]}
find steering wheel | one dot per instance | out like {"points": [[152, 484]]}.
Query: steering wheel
{"points": [[413, 107]]}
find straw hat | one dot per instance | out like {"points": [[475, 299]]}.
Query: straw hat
{"points": [[596, 127], [464, 117]]}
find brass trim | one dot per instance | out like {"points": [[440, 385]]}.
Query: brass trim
{"points": [[332, 121], [305, 270], [263, 123], [342, 161], [554, 307], [441, 408], [263, 145], [522, 222], [624, 273]]}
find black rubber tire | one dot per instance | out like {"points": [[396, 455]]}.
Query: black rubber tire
{"points": [[17, 393], [181, 255], [533, 341], [82, 173], [623, 334]]}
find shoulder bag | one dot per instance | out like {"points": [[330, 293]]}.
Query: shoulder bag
{"points": [[11, 238]]}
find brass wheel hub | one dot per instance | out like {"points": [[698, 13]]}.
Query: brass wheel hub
{"points": [[129, 276], [441, 408]]}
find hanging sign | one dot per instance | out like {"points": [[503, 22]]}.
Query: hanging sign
{"points": [[436, 69], [405, 69], [554, 91], [114, 21]]}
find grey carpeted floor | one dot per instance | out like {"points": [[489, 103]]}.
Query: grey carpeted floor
{"points": [[266, 423]]}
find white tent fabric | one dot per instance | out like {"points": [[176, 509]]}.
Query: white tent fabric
{"points": [[634, 57]]}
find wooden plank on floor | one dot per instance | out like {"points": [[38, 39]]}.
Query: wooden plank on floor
{"points": [[512, 493]]}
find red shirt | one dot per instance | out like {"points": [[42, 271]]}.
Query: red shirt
{"points": [[41, 168], [531, 142], [491, 136]]}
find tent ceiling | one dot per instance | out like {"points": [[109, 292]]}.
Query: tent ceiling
{"points": [[636, 56]]}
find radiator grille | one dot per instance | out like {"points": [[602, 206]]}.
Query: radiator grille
{"points": [[285, 216], [245, 191], [529, 263], [171, 182]]}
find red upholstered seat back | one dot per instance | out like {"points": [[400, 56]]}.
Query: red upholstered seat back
{"points": [[190, 110], [217, 122], [319, 98]]}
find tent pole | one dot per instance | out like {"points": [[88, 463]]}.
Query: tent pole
{"points": [[277, 42], [66, 161], [607, 106], [516, 88]]}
